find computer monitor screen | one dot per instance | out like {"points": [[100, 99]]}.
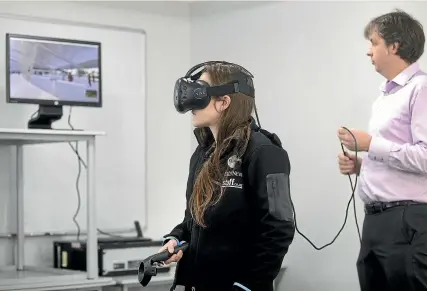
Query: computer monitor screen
{"points": [[53, 71]]}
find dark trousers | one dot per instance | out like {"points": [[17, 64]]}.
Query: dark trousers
{"points": [[393, 255]]}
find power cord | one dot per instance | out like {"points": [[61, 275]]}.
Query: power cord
{"points": [[352, 199], [81, 163], [353, 187]]}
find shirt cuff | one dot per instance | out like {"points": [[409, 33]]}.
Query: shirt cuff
{"points": [[379, 149]]}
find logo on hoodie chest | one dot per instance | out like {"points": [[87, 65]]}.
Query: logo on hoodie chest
{"points": [[233, 177]]}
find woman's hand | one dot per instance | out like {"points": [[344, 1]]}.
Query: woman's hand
{"points": [[170, 246]]}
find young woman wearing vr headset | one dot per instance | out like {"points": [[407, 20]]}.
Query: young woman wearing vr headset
{"points": [[238, 221]]}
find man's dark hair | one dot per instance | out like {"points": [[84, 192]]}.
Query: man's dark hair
{"points": [[401, 28]]}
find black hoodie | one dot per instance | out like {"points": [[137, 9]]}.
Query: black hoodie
{"points": [[250, 229]]}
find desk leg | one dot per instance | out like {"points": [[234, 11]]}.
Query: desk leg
{"points": [[20, 261], [92, 250]]}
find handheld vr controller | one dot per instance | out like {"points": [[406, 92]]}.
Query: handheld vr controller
{"points": [[148, 268]]}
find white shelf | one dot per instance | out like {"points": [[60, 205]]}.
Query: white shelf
{"points": [[22, 277], [10, 136], [33, 278]]}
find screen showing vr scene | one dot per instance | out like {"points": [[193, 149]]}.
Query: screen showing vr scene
{"points": [[53, 70]]}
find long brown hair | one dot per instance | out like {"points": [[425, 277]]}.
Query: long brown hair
{"points": [[232, 138]]}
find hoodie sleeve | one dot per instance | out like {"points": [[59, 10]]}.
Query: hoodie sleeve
{"points": [[269, 170], [181, 231]]}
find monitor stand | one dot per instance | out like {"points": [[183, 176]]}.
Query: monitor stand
{"points": [[46, 115]]}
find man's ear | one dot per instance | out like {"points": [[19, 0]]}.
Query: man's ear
{"points": [[394, 48]]}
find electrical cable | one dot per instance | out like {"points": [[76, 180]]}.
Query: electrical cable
{"points": [[353, 187], [81, 163], [352, 199]]}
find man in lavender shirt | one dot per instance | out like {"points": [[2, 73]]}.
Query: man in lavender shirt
{"points": [[393, 165]]}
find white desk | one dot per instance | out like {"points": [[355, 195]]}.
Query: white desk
{"points": [[27, 137], [37, 278], [126, 282]]}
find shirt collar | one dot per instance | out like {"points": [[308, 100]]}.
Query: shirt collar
{"points": [[401, 79]]}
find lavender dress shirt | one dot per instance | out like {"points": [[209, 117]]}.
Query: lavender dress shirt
{"points": [[395, 167]]}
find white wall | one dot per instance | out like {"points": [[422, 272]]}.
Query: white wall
{"points": [[311, 76], [168, 56]]}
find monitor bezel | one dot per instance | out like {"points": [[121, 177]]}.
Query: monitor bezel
{"points": [[9, 99]]}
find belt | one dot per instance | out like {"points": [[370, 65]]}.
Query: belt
{"points": [[377, 207]]}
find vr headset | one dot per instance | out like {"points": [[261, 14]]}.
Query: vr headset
{"points": [[191, 93]]}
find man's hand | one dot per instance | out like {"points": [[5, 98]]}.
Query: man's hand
{"points": [[363, 139], [348, 164]]}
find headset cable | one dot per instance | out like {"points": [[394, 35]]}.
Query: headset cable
{"points": [[352, 199]]}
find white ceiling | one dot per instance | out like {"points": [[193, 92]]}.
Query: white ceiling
{"points": [[137, 5], [174, 7], [179, 8]]}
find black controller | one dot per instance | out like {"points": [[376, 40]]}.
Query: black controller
{"points": [[147, 269]]}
